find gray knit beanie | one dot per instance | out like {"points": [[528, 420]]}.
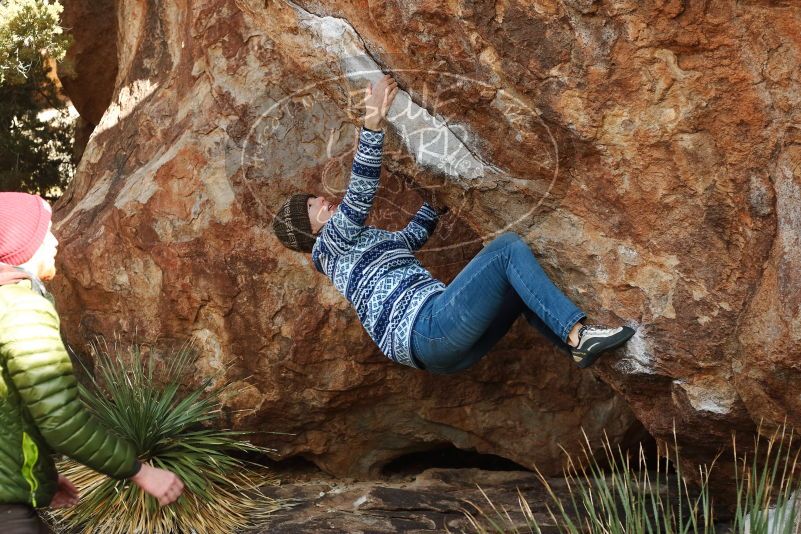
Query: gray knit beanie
{"points": [[292, 225]]}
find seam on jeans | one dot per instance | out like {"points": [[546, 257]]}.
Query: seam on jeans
{"points": [[417, 316], [412, 346], [468, 281], [534, 294], [428, 338]]}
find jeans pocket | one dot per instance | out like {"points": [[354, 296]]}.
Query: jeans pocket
{"points": [[433, 352], [437, 355], [423, 344], [426, 327], [426, 338]]}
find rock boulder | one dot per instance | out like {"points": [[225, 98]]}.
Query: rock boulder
{"points": [[648, 151]]}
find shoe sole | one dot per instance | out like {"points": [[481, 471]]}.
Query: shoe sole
{"points": [[589, 359]]}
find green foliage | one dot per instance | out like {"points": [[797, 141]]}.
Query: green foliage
{"points": [[35, 153], [169, 430], [629, 499], [767, 488], [35, 147], [29, 31]]}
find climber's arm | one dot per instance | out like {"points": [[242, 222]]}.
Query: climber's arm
{"points": [[420, 227], [349, 217]]}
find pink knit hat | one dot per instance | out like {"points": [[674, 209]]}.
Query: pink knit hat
{"points": [[24, 220]]}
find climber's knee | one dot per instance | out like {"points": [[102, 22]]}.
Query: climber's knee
{"points": [[505, 239]]}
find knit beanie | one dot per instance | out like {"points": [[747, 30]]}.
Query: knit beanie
{"points": [[24, 220], [292, 225]]}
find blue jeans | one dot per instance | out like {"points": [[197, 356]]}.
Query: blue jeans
{"points": [[455, 328]]}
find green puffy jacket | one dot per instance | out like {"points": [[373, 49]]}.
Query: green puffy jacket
{"points": [[40, 412]]}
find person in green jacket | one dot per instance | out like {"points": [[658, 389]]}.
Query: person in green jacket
{"points": [[40, 411]]}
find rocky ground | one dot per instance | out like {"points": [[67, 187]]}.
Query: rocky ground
{"points": [[432, 501], [411, 500]]}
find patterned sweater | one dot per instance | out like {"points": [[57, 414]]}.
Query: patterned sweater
{"points": [[373, 268]]}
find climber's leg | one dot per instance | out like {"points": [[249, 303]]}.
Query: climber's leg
{"points": [[454, 321], [438, 355]]}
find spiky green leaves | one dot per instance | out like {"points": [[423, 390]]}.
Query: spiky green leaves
{"points": [[617, 494], [170, 429]]}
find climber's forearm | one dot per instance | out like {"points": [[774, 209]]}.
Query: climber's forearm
{"points": [[420, 228]]}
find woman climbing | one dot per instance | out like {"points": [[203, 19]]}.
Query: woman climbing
{"points": [[415, 319]]}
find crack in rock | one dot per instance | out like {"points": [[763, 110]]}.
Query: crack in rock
{"points": [[430, 138]]}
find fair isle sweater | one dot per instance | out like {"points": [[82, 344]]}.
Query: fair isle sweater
{"points": [[376, 269]]}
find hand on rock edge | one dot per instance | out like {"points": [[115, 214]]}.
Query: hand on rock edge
{"points": [[430, 196], [379, 99]]}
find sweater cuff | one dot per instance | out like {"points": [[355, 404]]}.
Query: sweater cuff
{"points": [[374, 131], [136, 469], [428, 211]]}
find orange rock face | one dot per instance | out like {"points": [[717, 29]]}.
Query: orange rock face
{"points": [[648, 151]]}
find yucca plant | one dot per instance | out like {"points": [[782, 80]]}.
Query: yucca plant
{"points": [[169, 429], [621, 498], [767, 488], [626, 498]]}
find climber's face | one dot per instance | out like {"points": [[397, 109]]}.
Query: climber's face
{"points": [[320, 210], [43, 262]]}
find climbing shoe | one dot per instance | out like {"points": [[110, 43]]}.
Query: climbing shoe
{"points": [[595, 339]]}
